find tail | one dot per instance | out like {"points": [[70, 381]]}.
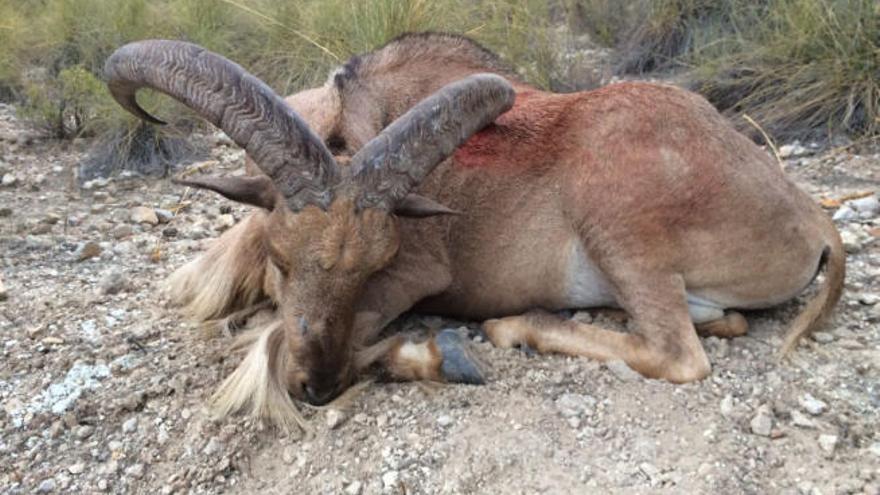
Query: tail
{"points": [[817, 310]]}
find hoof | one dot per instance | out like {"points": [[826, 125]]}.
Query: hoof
{"points": [[459, 365]]}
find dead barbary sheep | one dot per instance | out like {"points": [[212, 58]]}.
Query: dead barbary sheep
{"points": [[474, 195]]}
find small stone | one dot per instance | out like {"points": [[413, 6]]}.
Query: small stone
{"points": [[334, 418], [867, 207], [135, 471], [46, 486], [84, 431], [649, 470], [851, 242], [390, 480], [224, 222], [142, 214], [800, 420], [726, 406], [130, 425], [114, 283], [828, 442], [622, 371], [5, 212], [9, 180], [103, 485], [121, 231], [354, 488], [213, 446], [169, 232], [164, 216], [845, 214], [88, 250], [4, 295], [582, 317], [575, 405], [792, 150], [823, 337], [77, 468], [162, 437], [444, 420], [868, 298], [52, 341], [875, 449], [762, 423], [812, 405], [288, 455]]}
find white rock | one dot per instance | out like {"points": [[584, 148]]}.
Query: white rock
{"points": [[354, 488], [46, 486], [792, 150], [851, 241], [866, 207], [868, 298], [622, 371], [762, 423], [130, 425], [143, 214], [164, 216], [823, 337], [224, 222], [77, 468], [812, 405], [213, 446], [444, 420], [799, 419], [3, 293], [828, 442], [727, 406], [9, 180], [135, 470], [334, 418], [845, 214], [391, 480], [575, 405], [875, 448]]}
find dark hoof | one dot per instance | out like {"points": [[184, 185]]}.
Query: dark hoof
{"points": [[459, 365], [527, 350]]}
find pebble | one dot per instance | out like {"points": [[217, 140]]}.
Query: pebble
{"points": [[799, 419], [851, 242], [130, 425], [113, 283], [444, 420], [84, 431], [828, 442], [142, 214], [135, 470], [354, 488], [792, 150], [823, 337], [213, 446], [77, 468], [812, 405], [121, 231], [164, 216], [762, 423], [390, 480], [334, 418], [869, 298], [622, 371], [726, 406], [866, 207], [46, 486], [845, 214], [575, 405], [224, 222], [88, 250], [9, 180], [875, 448], [4, 295], [5, 212]]}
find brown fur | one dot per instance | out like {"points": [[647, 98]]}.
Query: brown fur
{"points": [[647, 181]]}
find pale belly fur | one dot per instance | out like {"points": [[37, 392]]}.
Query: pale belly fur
{"points": [[587, 287]]}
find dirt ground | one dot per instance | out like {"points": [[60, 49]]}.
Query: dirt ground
{"points": [[103, 385]]}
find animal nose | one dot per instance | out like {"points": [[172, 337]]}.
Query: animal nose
{"points": [[318, 396]]}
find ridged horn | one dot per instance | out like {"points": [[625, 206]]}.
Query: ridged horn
{"points": [[229, 97], [394, 162]]}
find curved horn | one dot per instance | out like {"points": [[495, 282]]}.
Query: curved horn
{"points": [[229, 97], [403, 154]]}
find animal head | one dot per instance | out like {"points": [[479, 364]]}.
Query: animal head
{"points": [[330, 227]]}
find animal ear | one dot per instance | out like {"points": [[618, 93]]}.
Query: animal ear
{"points": [[415, 206], [257, 191]]}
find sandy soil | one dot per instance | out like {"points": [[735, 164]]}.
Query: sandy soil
{"points": [[103, 385]]}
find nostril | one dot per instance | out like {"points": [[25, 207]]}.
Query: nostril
{"points": [[319, 397]]}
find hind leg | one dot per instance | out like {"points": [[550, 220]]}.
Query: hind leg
{"points": [[664, 345]]}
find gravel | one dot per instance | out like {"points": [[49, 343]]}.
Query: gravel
{"points": [[103, 385]]}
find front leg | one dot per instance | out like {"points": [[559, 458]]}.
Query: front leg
{"points": [[442, 357]]}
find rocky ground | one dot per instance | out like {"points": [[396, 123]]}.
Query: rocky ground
{"points": [[103, 385]]}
